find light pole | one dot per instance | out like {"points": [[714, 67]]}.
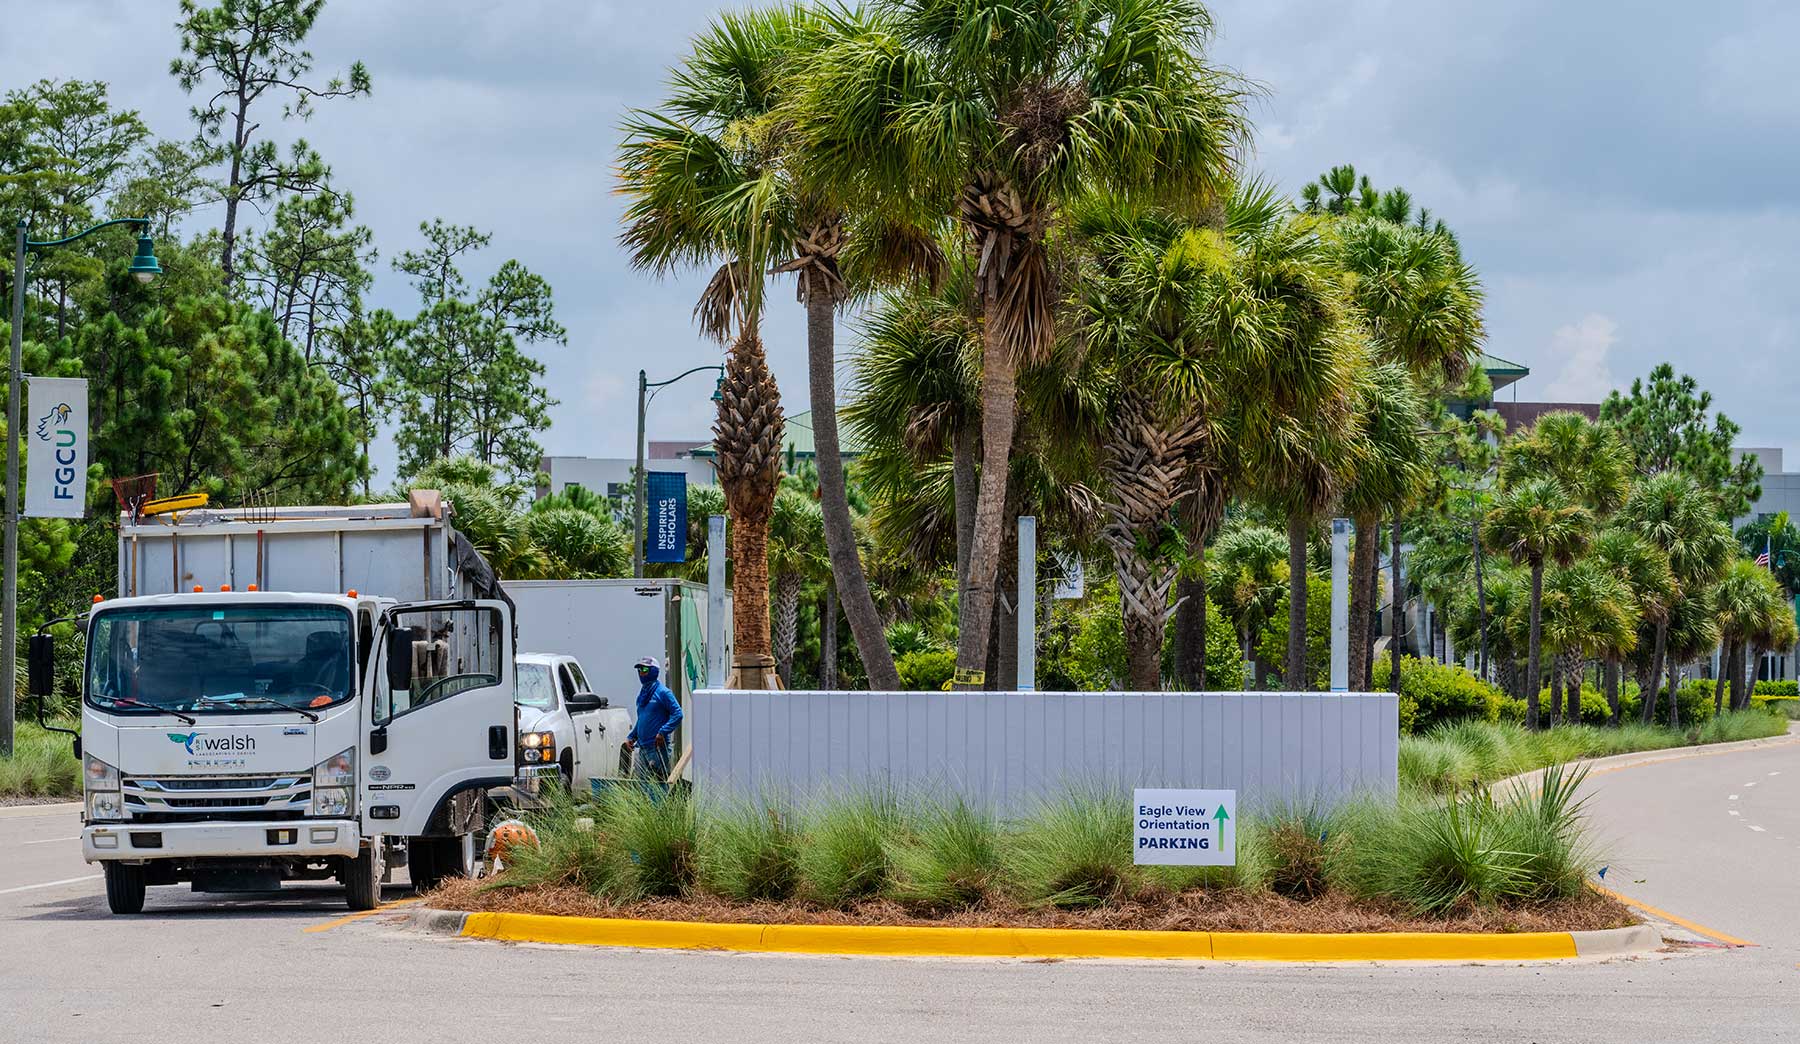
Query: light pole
{"points": [[638, 484], [145, 268]]}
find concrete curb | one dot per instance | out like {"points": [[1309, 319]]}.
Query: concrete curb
{"points": [[1040, 943], [57, 808]]}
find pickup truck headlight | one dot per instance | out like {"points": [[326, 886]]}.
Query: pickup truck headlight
{"points": [[101, 781], [538, 746], [334, 782]]}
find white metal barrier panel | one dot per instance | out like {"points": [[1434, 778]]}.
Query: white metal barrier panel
{"points": [[1006, 750]]}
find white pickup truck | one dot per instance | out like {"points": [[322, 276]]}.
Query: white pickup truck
{"points": [[563, 723]]}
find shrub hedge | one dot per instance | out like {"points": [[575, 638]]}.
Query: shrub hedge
{"points": [[1433, 693]]}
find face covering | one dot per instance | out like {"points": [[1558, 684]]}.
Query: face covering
{"points": [[648, 677]]}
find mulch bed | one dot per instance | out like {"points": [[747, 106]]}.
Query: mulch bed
{"points": [[1220, 911]]}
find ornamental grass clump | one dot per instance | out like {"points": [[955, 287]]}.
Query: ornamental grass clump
{"points": [[652, 835], [571, 852], [749, 851], [1075, 851], [843, 849], [948, 861], [1447, 854], [43, 764]]}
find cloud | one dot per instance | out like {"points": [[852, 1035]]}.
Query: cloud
{"points": [[1585, 375]]}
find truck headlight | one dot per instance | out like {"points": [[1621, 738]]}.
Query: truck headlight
{"points": [[538, 746], [101, 781], [333, 783]]}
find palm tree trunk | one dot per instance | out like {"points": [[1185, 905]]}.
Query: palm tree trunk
{"points": [[1612, 690], [1572, 696], [1190, 632], [840, 536], [828, 635], [1362, 598], [1719, 682], [1654, 692], [1296, 643], [1398, 604], [1534, 649], [1554, 712], [998, 388], [963, 481], [787, 624]]}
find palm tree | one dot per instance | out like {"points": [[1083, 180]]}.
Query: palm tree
{"points": [[1533, 523], [1000, 112], [1747, 603], [1644, 570], [704, 189], [1422, 304], [1394, 465], [796, 531], [1585, 458], [1679, 518], [1587, 611], [1246, 576], [1775, 630]]}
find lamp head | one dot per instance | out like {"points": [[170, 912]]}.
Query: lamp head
{"points": [[718, 394], [143, 263]]}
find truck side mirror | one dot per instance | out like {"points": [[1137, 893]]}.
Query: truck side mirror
{"points": [[583, 701], [41, 659], [399, 658]]}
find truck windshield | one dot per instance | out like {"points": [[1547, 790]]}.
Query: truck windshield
{"points": [[237, 658], [536, 687]]}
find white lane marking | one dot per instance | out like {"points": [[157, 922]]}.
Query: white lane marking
{"points": [[1777, 772], [51, 840], [1750, 784], [1734, 797], [1754, 827], [50, 884], [1735, 812]]}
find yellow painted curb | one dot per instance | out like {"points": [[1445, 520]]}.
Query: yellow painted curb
{"points": [[1017, 942]]}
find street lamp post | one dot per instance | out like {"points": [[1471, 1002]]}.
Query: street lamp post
{"points": [[145, 267], [639, 482]]}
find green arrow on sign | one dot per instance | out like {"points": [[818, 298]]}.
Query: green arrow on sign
{"points": [[1221, 817]]}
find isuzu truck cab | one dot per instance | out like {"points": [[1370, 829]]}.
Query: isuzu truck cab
{"points": [[238, 739]]}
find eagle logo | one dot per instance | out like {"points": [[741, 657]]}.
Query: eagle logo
{"points": [[186, 740], [58, 415]]}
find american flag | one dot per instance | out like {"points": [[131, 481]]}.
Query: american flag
{"points": [[1763, 559]]}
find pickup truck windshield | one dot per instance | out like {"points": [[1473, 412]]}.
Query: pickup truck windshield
{"points": [[536, 687], [217, 659]]}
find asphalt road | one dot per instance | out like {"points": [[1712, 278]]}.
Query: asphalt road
{"points": [[292, 968]]}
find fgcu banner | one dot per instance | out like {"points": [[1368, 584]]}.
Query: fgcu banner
{"points": [[665, 537], [56, 437]]}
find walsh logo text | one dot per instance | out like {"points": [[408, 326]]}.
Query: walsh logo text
{"points": [[198, 744]]}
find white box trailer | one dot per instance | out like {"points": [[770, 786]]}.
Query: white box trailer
{"points": [[609, 625]]}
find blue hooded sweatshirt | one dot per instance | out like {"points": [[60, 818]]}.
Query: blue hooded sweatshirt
{"points": [[657, 711]]}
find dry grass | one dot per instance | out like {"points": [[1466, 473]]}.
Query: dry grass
{"points": [[1194, 911]]}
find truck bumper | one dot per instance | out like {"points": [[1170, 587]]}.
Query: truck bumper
{"points": [[297, 838]]}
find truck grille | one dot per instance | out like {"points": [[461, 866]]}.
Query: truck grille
{"points": [[200, 796]]}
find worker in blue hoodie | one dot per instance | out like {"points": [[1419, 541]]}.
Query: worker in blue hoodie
{"points": [[657, 716]]}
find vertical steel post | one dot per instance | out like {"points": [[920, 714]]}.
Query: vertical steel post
{"points": [[715, 602], [1027, 603], [637, 493], [9, 635], [1340, 605]]}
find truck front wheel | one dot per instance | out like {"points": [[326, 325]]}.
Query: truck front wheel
{"points": [[362, 878], [125, 887]]}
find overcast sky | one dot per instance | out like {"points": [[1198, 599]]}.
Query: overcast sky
{"points": [[1617, 171]]}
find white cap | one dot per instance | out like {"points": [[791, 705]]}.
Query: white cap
{"points": [[648, 661]]}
